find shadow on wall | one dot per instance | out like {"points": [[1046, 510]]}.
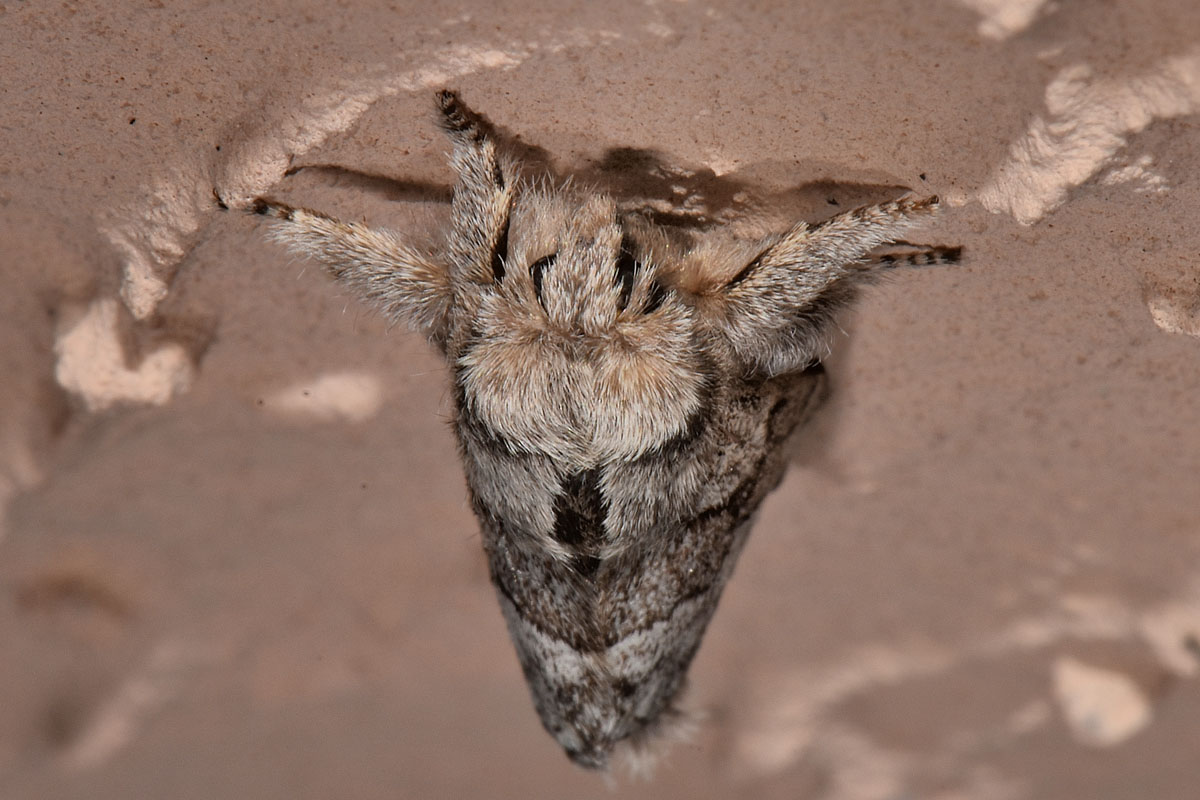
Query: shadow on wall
{"points": [[679, 196]]}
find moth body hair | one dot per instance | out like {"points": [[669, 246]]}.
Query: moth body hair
{"points": [[621, 404]]}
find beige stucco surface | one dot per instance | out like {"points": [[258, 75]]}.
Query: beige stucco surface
{"points": [[236, 557]]}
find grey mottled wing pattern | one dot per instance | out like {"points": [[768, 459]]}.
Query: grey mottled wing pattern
{"points": [[605, 644]]}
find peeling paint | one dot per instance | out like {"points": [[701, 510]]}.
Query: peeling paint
{"points": [[1005, 18], [118, 721], [349, 396], [1175, 312], [91, 363], [1102, 707], [1088, 120]]}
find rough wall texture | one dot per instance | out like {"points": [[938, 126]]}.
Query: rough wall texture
{"points": [[236, 558]]}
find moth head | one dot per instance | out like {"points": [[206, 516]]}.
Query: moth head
{"points": [[575, 349]]}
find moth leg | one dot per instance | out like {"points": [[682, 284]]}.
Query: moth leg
{"points": [[776, 310], [375, 264], [907, 254], [483, 195], [805, 260]]}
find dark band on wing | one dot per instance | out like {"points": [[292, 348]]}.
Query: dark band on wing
{"points": [[580, 510], [736, 510], [697, 422], [500, 251], [537, 271], [693, 431], [626, 270]]}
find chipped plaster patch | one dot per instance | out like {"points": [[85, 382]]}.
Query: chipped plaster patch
{"points": [[791, 709], [1102, 707], [790, 720], [1175, 312], [1088, 121], [720, 164], [118, 721], [1173, 631], [1004, 18], [1139, 174], [152, 236], [349, 396], [91, 363], [18, 469]]}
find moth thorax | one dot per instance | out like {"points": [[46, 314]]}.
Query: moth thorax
{"points": [[579, 399]]}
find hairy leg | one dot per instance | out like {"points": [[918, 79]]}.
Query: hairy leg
{"points": [[377, 265]]}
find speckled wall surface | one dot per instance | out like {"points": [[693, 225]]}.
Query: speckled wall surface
{"points": [[236, 557]]}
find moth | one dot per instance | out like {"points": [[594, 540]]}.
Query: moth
{"points": [[621, 403]]}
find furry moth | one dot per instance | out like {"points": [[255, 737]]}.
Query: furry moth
{"points": [[621, 403]]}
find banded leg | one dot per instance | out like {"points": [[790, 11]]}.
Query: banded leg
{"points": [[775, 312], [478, 243]]}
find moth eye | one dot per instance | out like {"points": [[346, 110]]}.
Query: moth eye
{"points": [[537, 269]]}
